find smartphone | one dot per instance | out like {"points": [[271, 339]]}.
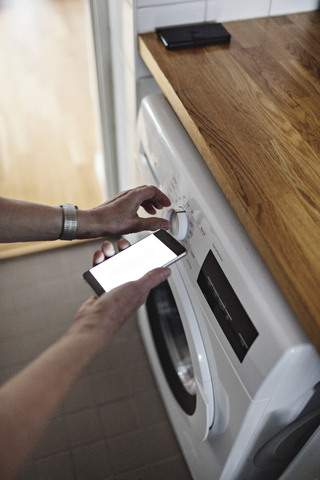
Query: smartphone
{"points": [[159, 249], [195, 35]]}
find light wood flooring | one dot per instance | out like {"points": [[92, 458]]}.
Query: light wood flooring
{"points": [[48, 136]]}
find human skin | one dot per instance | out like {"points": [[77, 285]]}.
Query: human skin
{"points": [[30, 399], [26, 221]]}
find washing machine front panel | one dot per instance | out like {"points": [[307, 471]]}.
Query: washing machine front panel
{"points": [[258, 356], [207, 457], [181, 351], [214, 230]]}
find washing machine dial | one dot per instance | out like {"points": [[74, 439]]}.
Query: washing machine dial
{"points": [[178, 222]]}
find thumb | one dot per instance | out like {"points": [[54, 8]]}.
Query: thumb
{"points": [[154, 277], [134, 293], [137, 292]]}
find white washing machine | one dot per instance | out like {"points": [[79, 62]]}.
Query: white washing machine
{"points": [[237, 374]]}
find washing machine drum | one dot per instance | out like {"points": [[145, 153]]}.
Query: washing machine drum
{"points": [[181, 351]]}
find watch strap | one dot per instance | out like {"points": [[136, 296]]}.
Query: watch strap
{"points": [[70, 222]]}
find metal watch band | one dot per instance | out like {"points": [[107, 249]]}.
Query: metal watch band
{"points": [[70, 221]]}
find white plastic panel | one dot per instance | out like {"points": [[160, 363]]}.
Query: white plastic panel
{"points": [[174, 14], [203, 417]]}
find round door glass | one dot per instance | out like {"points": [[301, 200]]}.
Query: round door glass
{"points": [[172, 346]]}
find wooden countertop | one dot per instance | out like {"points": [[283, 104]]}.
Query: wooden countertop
{"points": [[252, 109]]}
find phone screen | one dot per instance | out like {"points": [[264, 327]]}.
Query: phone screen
{"points": [[156, 250]]}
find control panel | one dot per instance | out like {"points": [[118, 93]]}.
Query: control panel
{"points": [[178, 219]]}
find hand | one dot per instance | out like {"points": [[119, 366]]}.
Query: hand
{"points": [[120, 214], [105, 315]]}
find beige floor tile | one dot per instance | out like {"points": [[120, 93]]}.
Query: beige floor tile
{"points": [[56, 467], [118, 418], [84, 427], [92, 462]]}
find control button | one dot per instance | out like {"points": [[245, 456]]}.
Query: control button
{"points": [[178, 222]]}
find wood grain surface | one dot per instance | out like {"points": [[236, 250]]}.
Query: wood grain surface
{"points": [[252, 109], [48, 136]]}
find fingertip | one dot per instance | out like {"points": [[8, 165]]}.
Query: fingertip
{"points": [[160, 274], [108, 249], [166, 272], [98, 257], [165, 224], [123, 244]]}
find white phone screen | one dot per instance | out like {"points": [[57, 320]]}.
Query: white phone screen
{"points": [[132, 263]]}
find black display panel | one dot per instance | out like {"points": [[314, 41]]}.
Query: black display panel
{"points": [[226, 307]]}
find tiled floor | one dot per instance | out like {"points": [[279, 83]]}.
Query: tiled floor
{"points": [[113, 424]]}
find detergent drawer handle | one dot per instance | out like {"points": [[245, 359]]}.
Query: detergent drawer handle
{"points": [[281, 449]]}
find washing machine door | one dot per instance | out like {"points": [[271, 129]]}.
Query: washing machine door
{"points": [[181, 352]]}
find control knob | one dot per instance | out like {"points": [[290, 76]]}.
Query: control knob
{"points": [[178, 222]]}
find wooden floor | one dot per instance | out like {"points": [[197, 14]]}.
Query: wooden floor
{"points": [[47, 130]]}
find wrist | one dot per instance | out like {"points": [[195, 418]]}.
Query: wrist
{"points": [[84, 344], [88, 225], [85, 227]]}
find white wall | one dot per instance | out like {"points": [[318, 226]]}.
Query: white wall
{"points": [[157, 13]]}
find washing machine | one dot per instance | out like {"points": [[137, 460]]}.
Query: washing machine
{"points": [[238, 376]]}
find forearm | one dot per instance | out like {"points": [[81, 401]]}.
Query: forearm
{"points": [[29, 400], [27, 222]]}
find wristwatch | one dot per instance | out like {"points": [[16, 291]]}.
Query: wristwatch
{"points": [[70, 221]]}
